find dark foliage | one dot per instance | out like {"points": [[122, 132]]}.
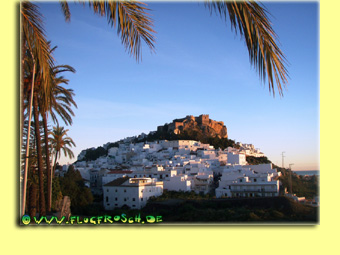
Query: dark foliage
{"points": [[72, 185], [192, 134], [257, 160], [307, 187], [93, 154], [198, 209], [277, 209]]}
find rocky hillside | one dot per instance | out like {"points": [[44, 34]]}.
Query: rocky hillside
{"points": [[203, 124]]}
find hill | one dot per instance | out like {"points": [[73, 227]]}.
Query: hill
{"points": [[200, 128]]}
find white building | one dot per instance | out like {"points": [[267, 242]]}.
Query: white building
{"points": [[239, 182], [177, 182], [236, 158], [132, 192], [201, 183]]}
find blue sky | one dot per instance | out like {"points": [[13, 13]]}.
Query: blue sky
{"points": [[200, 67]]}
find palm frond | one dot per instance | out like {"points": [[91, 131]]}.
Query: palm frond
{"points": [[251, 21], [35, 38], [132, 22], [60, 141], [66, 10]]}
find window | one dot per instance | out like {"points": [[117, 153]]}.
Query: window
{"points": [[107, 199], [116, 190], [141, 199], [255, 180], [124, 190], [116, 199], [124, 199], [133, 199]]}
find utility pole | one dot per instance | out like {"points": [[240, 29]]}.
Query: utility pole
{"points": [[290, 179], [283, 164]]}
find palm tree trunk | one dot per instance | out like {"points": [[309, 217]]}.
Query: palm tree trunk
{"points": [[48, 164], [55, 162], [27, 146], [33, 200], [22, 97], [39, 154]]}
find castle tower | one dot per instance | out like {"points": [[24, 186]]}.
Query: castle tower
{"points": [[203, 119]]}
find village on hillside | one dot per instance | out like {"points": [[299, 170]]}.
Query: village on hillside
{"points": [[133, 172]]}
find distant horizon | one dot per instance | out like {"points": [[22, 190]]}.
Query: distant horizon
{"points": [[306, 170]]}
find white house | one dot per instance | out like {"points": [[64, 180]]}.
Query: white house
{"points": [[201, 183], [236, 158], [177, 182], [132, 192]]}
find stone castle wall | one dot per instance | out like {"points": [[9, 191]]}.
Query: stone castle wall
{"points": [[202, 121]]}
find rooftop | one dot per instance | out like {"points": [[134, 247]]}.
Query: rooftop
{"points": [[117, 182], [120, 172]]}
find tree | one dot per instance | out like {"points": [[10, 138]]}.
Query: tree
{"points": [[60, 102], [61, 142], [36, 63], [33, 84], [72, 185]]}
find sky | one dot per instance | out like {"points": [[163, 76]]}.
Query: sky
{"points": [[200, 66]]}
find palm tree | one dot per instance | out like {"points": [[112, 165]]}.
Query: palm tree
{"points": [[61, 142], [60, 103], [32, 84], [36, 58]]}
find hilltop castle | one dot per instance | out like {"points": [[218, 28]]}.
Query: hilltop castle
{"points": [[201, 122]]}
